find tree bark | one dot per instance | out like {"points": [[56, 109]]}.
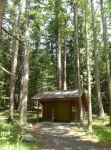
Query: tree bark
{"points": [[96, 58], [77, 82], [14, 66], [64, 73], [88, 69], [2, 7], [59, 59], [105, 42], [75, 45], [59, 44], [24, 98]]}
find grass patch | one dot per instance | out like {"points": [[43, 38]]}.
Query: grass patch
{"points": [[101, 129], [4, 113], [10, 138], [10, 135]]}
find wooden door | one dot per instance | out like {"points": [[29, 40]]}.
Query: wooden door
{"points": [[61, 112]]}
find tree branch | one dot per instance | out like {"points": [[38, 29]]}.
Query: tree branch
{"points": [[8, 20], [7, 55], [6, 71], [3, 41], [40, 2], [12, 35], [1, 82]]}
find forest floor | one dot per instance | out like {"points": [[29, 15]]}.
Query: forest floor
{"points": [[54, 136], [64, 137]]}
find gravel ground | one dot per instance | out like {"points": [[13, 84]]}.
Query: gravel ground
{"points": [[64, 137]]}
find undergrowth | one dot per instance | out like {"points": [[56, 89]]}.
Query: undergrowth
{"points": [[101, 129], [10, 136]]}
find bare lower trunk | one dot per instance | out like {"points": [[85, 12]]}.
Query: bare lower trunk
{"points": [[96, 58], [14, 67], [88, 70], [24, 98], [77, 82], [12, 80], [64, 82], [21, 90]]}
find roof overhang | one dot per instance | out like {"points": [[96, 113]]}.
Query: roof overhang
{"points": [[62, 94]]}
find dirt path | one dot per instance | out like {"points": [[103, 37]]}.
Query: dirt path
{"points": [[64, 137]]}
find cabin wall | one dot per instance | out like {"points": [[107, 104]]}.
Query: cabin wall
{"points": [[68, 111], [75, 111], [47, 111], [84, 112]]}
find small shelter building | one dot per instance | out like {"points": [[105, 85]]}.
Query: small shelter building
{"points": [[62, 106]]}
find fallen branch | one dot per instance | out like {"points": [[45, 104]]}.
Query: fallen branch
{"points": [[12, 35], [6, 71]]}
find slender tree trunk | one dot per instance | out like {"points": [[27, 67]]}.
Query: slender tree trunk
{"points": [[14, 66], [2, 7], [64, 82], [79, 88], [88, 69], [64, 73], [59, 44], [21, 90], [96, 58], [77, 82], [59, 58], [23, 107], [105, 41], [75, 46]]}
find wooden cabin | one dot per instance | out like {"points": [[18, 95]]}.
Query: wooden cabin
{"points": [[62, 106]]}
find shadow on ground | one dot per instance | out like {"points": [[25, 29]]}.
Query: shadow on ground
{"points": [[64, 137]]}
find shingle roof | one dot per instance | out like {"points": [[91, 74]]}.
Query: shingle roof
{"points": [[65, 94]]}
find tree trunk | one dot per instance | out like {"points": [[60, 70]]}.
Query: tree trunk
{"points": [[75, 46], [64, 73], [77, 82], [2, 7], [59, 59], [21, 90], [88, 69], [23, 107], [105, 41], [96, 58], [59, 44], [14, 66]]}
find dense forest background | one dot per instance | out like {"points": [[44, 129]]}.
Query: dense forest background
{"points": [[61, 31]]}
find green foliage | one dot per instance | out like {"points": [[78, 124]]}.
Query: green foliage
{"points": [[43, 47], [101, 130], [4, 126], [10, 136]]}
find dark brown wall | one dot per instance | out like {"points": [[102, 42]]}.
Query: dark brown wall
{"points": [[74, 116], [47, 111]]}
